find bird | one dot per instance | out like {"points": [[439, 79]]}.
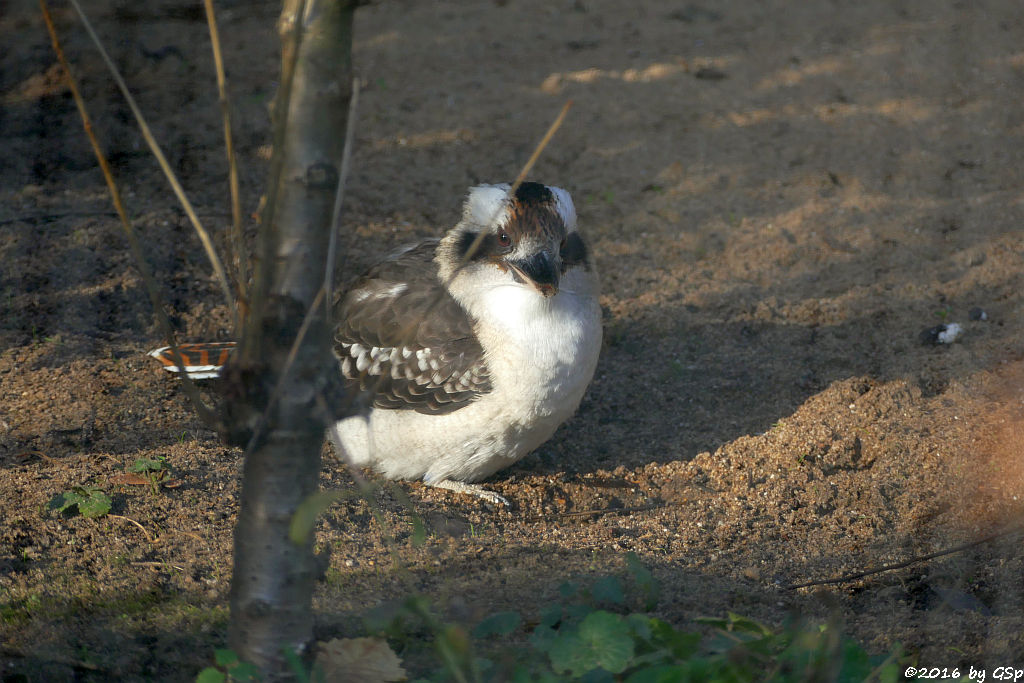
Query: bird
{"points": [[471, 349]]}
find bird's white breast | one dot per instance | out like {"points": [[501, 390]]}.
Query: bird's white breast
{"points": [[541, 351]]}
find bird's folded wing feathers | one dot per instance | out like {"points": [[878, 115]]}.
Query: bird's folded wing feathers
{"points": [[403, 338]]}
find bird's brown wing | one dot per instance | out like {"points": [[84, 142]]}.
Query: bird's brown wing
{"points": [[403, 338]]}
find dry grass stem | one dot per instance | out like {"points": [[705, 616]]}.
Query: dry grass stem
{"points": [[141, 528], [346, 164], [238, 239], [157, 152], [202, 410], [1015, 529]]}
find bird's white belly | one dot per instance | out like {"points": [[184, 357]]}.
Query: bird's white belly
{"points": [[541, 354], [467, 445]]}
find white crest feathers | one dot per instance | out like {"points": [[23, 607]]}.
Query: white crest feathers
{"points": [[486, 206]]}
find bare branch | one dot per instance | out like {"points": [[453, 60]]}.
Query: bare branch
{"points": [[1016, 529], [281, 386]]}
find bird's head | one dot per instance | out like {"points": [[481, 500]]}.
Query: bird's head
{"points": [[529, 236]]}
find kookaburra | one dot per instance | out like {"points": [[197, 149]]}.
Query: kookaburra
{"points": [[472, 349], [476, 346]]}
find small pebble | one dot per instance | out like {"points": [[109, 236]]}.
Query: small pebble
{"points": [[940, 334], [949, 335]]}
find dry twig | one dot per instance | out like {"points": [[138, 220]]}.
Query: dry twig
{"points": [[202, 410], [1016, 529], [157, 152], [142, 528]]}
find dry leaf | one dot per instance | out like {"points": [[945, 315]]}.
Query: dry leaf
{"points": [[359, 660], [130, 479]]}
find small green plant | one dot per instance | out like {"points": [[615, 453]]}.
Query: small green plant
{"points": [[87, 501], [150, 465], [229, 668], [16, 612], [591, 634], [156, 470]]}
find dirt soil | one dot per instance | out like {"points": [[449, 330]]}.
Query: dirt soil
{"points": [[782, 197]]}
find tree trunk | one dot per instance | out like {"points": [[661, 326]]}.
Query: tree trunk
{"points": [[280, 416]]}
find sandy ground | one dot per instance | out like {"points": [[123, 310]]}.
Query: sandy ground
{"points": [[781, 198]]}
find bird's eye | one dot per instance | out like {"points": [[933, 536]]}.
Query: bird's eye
{"points": [[503, 239]]}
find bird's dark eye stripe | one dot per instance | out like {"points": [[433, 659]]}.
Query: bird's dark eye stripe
{"points": [[574, 250], [466, 242], [489, 245]]}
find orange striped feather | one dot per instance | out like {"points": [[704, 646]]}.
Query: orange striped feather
{"points": [[203, 360]]}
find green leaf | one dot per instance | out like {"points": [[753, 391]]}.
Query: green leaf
{"points": [[89, 501], [713, 622], [597, 676], [96, 504], [62, 501], [419, 531], [568, 589], [210, 675], [500, 624], [742, 624], [543, 637], [681, 644], [245, 671], [236, 668], [551, 615], [608, 589], [297, 666], [856, 665], [644, 580], [890, 670], [307, 512], [641, 625], [609, 636], [144, 465], [602, 640], [567, 654], [577, 612]]}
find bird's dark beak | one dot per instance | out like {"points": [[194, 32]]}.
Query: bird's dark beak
{"points": [[539, 270]]}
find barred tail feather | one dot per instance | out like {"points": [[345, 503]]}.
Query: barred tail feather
{"points": [[202, 360]]}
